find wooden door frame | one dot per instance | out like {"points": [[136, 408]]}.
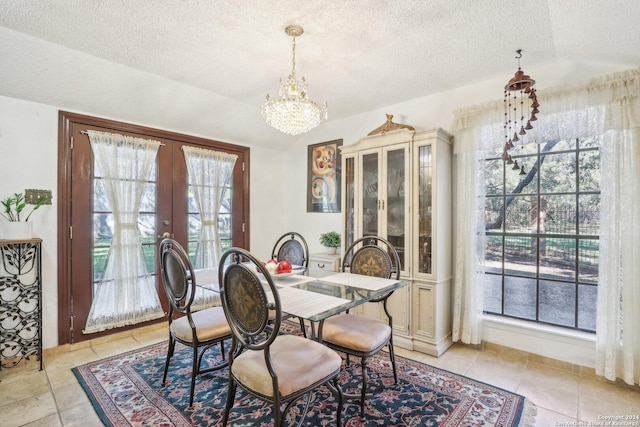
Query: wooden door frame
{"points": [[66, 120]]}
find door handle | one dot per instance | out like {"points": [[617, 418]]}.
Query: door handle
{"points": [[164, 235]]}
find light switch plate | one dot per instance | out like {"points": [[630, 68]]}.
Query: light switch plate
{"points": [[31, 196]]}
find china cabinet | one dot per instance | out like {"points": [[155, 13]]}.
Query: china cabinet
{"points": [[20, 301], [397, 185]]}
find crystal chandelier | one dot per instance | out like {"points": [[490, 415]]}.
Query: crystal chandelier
{"points": [[293, 112], [522, 85]]}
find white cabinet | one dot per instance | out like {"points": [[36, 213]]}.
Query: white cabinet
{"points": [[397, 185], [327, 262]]}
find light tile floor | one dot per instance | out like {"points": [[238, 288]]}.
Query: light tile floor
{"points": [[562, 392]]}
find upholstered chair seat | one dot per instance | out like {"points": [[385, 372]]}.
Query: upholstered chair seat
{"points": [[298, 362], [356, 332], [210, 323]]}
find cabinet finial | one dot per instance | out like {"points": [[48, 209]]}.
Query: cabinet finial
{"points": [[388, 126]]}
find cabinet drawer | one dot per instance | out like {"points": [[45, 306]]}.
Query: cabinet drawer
{"points": [[324, 262]]}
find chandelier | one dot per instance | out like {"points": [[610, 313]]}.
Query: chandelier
{"points": [[519, 90], [293, 112]]}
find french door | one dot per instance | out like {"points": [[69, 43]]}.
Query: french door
{"points": [[85, 220]]}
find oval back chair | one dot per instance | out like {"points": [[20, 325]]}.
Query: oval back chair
{"points": [[277, 368], [359, 335], [293, 248], [199, 330]]}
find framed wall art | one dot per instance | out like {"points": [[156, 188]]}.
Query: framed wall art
{"points": [[323, 177]]}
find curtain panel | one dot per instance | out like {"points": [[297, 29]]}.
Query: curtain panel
{"points": [[607, 107], [126, 294], [209, 174]]}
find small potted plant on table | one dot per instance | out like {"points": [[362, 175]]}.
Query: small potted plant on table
{"points": [[13, 210], [331, 241]]}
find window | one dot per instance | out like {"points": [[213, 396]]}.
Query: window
{"points": [[542, 243]]}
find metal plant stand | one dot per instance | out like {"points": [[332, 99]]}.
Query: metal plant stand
{"points": [[20, 301]]}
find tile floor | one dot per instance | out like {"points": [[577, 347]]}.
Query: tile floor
{"points": [[562, 392]]}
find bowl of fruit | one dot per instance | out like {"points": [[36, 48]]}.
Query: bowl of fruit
{"points": [[276, 268]]}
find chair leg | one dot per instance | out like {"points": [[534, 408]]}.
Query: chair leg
{"points": [[222, 350], [392, 357], [194, 372], [364, 386], [170, 348], [340, 401], [231, 396]]}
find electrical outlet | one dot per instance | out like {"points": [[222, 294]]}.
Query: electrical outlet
{"points": [[31, 196]]}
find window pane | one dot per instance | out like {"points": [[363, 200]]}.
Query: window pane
{"points": [[518, 215], [565, 145], [520, 297], [514, 182], [589, 170], [494, 183], [587, 303], [224, 225], [520, 256], [558, 173], [195, 224], [558, 258], [589, 251], [100, 200], [560, 215], [493, 293], [102, 229], [225, 207], [100, 254], [493, 254], [589, 214], [493, 213], [593, 142], [557, 303], [528, 149], [148, 202]]}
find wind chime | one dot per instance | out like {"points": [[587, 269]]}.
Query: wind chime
{"points": [[515, 123]]}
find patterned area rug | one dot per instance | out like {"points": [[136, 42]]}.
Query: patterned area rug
{"points": [[126, 390]]}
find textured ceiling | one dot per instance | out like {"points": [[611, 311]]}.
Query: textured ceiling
{"points": [[357, 55]]}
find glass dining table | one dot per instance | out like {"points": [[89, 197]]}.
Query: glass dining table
{"points": [[314, 295]]}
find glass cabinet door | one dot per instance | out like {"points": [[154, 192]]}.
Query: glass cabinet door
{"points": [[349, 201], [425, 170], [370, 199], [395, 209]]}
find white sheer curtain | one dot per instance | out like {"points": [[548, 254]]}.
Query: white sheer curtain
{"points": [[126, 294], [607, 107], [209, 175]]}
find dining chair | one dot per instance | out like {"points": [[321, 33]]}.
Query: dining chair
{"points": [[292, 247], [359, 335], [199, 330], [276, 368]]}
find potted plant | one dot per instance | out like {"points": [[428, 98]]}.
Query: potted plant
{"points": [[331, 241], [13, 210]]}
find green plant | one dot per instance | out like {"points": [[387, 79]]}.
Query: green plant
{"points": [[330, 239], [13, 207]]}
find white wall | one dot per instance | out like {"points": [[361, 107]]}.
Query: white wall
{"points": [[28, 159]]}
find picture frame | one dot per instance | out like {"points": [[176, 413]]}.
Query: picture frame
{"points": [[324, 170]]}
